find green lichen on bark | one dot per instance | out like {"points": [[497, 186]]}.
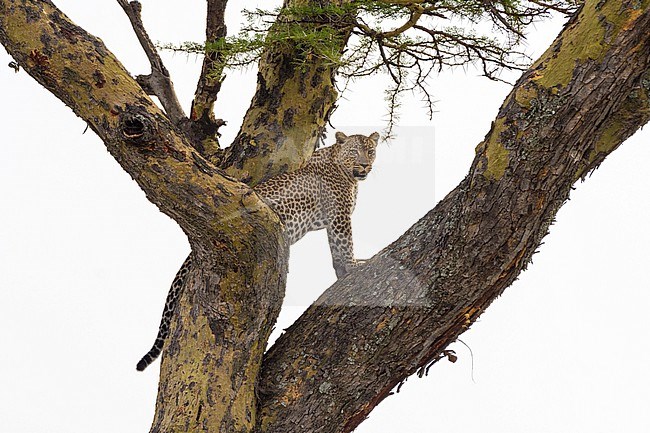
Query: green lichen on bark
{"points": [[288, 113], [496, 154], [84, 74], [59, 54], [593, 30], [224, 220], [201, 368], [525, 94], [214, 354], [194, 385]]}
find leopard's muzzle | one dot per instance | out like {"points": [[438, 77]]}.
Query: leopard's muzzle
{"points": [[360, 172]]}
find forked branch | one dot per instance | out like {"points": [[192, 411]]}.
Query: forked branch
{"points": [[136, 132], [158, 82], [424, 40]]}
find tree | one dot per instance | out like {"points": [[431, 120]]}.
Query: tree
{"points": [[182, 182]]}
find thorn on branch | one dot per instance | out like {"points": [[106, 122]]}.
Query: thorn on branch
{"points": [[15, 66]]}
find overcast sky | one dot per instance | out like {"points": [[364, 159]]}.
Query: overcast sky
{"points": [[86, 260]]}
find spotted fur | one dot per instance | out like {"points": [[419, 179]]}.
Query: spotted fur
{"points": [[322, 194]]}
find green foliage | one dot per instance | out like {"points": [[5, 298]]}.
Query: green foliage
{"points": [[312, 32], [408, 40]]}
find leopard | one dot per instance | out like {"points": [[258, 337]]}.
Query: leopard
{"points": [[320, 195]]}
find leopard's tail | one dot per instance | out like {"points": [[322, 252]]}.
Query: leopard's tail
{"points": [[170, 306]]}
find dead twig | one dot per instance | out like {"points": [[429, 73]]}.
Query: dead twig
{"points": [[158, 82]]}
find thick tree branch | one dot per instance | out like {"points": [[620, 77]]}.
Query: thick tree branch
{"points": [[294, 98], [395, 315], [158, 82], [204, 127], [236, 286], [79, 70], [416, 13]]}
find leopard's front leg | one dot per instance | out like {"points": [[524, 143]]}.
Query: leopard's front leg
{"points": [[339, 234]]}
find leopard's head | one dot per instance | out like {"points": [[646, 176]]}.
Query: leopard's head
{"points": [[357, 153]]}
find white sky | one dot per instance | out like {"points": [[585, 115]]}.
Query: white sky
{"points": [[86, 261]]}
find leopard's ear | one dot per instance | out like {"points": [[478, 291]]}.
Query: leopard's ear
{"points": [[340, 137], [374, 137]]}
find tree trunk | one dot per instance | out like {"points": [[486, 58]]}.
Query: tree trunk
{"points": [[239, 253], [213, 356], [396, 314]]}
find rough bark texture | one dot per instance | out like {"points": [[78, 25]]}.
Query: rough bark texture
{"points": [[78, 69], [203, 126], [584, 97], [158, 82], [291, 106], [368, 332], [240, 256], [212, 359]]}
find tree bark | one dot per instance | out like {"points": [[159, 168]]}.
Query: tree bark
{"points": [[203, 126], [396, 314], [240, 256], [295, 97], [371, 330], [158, 82]]}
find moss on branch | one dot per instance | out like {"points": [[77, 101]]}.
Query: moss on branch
{"points": [[594, 28]]}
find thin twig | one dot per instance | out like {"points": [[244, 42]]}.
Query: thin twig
{"points": [[499, 16], [471, 354]]}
